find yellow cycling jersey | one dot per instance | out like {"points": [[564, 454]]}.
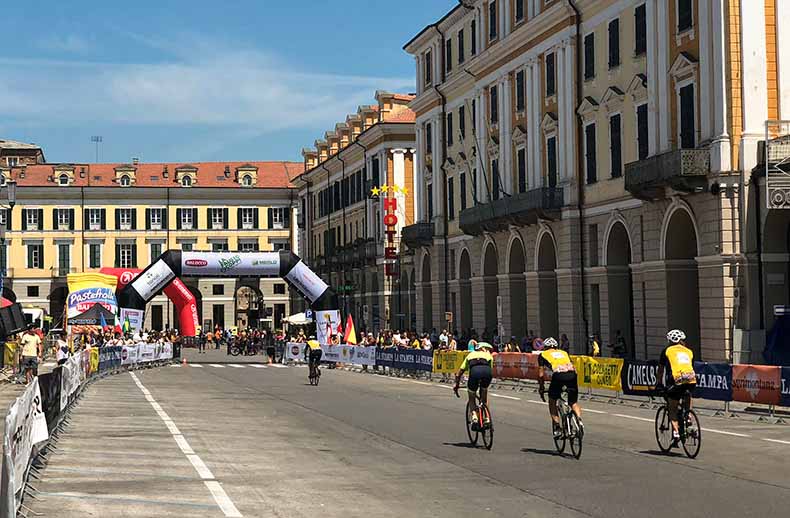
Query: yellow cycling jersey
{"points": [[558, 360], [314, 345], [681, 364], [477, 358]]}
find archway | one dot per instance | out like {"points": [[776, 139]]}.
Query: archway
{"points": [[620, 286], [175, 321], [57, 302], [465, 287], [248, 302], [427, 294], [547, 287], [682, 277], [776, 263], [517, 266], [490, 290]]}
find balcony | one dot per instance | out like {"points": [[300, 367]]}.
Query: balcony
{"points": [[418, 234], [655, 177], [520, 209]]}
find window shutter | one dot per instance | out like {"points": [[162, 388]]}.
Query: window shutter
{"points": [[30, 256], [40, 219], [24, 219], [687, 126], [85, 219], [103, 214], [551, 158], [270, 218], [117, 255], [178, 219], [134, 255], [134, 219], [209, 223], [164, 218], [195, 223], [255, 222], [641, 128], [225, 218], [614, 43], [71, 219], [615, 147], [239, 223], [9, 219], [117, 219], [589, 56], [286, 217], [54, 220], [148, 219], [592, 175]]}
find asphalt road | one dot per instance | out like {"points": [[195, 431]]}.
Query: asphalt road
{"points": [[249, 440]]}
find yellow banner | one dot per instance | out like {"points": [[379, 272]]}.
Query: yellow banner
{"points": [[445, 362], [9, 354], [94, 359], [599, 372]]}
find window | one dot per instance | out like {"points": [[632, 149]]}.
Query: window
{"points": [[687, 116], [450, 129], [448, 55], [281, 246], [551, 81], [35, 256], [187, 246], [12, 161], [63, 219], [248, 217], [32, 219], [217, 289], [589, 56], [3, 260], [451, 198], [685, 16], [125, 219], [63, 179], [218, 312], [94, 255], [278, 218], [461, 57], [614, 43], [589, 150], [462, 121], [32, 291], [520, 91], [155, 219], [375, 166], [519, 10], [126, 180], [156, 251], [430, 203], [494, 108], [4, 216], [186, 181], [640, 28], [642, 131], [279, 289], [521, 164], [551, 161], [615, 146], [249, 246], [462, 189], [64, 259], [492, 20], [217, 217], [219, 246], [246, 181], [187, 219], [428, 144], [473, 35], [95, 219], [495, 179], [126, 255], [428, 71]]}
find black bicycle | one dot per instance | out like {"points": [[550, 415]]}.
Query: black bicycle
{"points": [[688, 427], [571, 428], [236, 349], [315, 375], [483, 426]]}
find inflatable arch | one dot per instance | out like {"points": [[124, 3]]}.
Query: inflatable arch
{"points": [[174, 264]]}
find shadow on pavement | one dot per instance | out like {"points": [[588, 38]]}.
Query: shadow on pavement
{"points": [[657, 453], [466, 444], [552, 453]]}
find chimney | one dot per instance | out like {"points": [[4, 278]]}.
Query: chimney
{"points": [[227, 171], [135, 160], [164, 172], [82, 172]]}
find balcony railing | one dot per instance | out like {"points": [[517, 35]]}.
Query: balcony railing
{"points": [[683, 170], [418, 234], [520, 209]]}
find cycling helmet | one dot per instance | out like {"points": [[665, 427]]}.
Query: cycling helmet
{"points": [[676, 336], [483, 345], [312, 337], [550, 343]]}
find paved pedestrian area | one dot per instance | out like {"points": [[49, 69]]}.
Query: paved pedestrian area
{"points": [[255, 440]]}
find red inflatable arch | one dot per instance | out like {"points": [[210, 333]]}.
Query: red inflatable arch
{"points": [[176, 291]]}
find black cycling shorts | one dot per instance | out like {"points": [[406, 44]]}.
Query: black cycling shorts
{"points": [[315, 356], [676, 392], [564, 379], [479, 377]]}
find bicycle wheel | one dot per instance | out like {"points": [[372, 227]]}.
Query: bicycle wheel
{"points": [[576, 434], [692, 437], [473, 435], [663, 429], [235, 350], [488, 430], [559, 441]]}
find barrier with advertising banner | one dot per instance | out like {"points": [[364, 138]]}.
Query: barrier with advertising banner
{"points": [[756, 384], [601, 373], [785, 395], [355, 354], [129, 354], [294, 352], [516, 365], [714, 381], [70, 380], [49, 386], [638, 377], [448, 362], [362, 355], [109, 357]]}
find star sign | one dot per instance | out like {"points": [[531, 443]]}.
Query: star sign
{"points": [[375, 191], [405, 191], [385, 188]]}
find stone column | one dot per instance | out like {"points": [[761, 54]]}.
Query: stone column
{"points": [[505, 135], [419, 175], [533, 296], [478, 304], [534, 124], [569, 143]]}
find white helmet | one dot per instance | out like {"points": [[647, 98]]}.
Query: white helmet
{"points": [[550, 343], [676, 336]]}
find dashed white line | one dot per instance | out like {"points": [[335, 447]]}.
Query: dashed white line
{"points": [[594, 411], [258, 366], [279, 366], [217, 492], [734, 434], [506, 397], [217, 365], [634, 417], [778, 441], [235, 365], [196, 366]]}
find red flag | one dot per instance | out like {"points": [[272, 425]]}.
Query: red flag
{"points": [[351, 333]]}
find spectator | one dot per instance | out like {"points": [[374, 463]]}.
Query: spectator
{"points": [[514, 345], [565, 344], [595, 347], [453, 344], [526, 343], [619, 349], [31, 353], [472, 345], [434, 337]]}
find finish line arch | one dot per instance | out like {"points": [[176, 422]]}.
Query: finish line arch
{"points": [[284, 264]]}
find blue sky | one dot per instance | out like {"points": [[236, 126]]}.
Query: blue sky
{"points": [[192, 80]]}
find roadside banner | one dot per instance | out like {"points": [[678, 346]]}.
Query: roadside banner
{"points": [[109, 357], [638, 377], [601, 373], [756, 384], [362, 355], [147, 353], [94, 359], [714, 381], [294, 352], [448, 362], [129, 354], [70, 380], [385, 356], [785, 399], [516, 365], [166, 352], [332, 353], [49, 386]]}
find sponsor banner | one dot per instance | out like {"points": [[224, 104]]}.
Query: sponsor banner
{"points": [[516, 365], [94, 360], [87, 289], [756, 384], [147, 353], [231, 264], [714, 381], [601, 373], [166, 351], [70, 380], [326, 324], [404, 358], [361, 355], [785, 395], [385, 357], [448, 362], [49, 386], [129, 354], [109, 357], [294, 352], [152, 280], [307, 282], [638, 377], [136, 318]]}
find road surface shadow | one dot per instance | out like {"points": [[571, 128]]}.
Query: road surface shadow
{"points": [[462, 445], [658, 453], [552, 453]]}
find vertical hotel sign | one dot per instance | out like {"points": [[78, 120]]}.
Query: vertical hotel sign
{"points": [[390, 201]]}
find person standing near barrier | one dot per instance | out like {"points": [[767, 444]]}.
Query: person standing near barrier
{"points": [[555, 364], [31, 353], [676, 373], [61, 349]]}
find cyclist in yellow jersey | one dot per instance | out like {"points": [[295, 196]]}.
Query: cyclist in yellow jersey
{"points": [[676, 373], [313, 353], [555, 363], [480, 365]]}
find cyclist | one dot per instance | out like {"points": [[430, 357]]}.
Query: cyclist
{"points": [[676, 374], [555, 363], [480, 365], [312, 354]]}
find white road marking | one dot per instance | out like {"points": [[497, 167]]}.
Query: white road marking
{"points": [[506, 397], [235, 365], [258, 366], [216, 365], [196, 366], [536, 402], [217, 492], [594, 411], [778, 441], [634, 417], [279, 366], [711, 430]]}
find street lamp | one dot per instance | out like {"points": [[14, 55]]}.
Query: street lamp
{"points": [[11, 191]]}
